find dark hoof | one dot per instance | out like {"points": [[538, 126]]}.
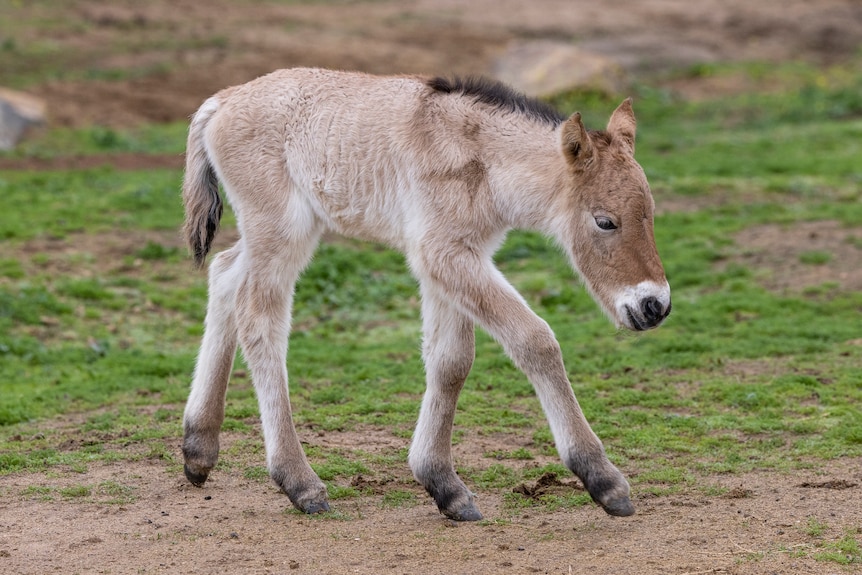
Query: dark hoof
{"points": [[196, 479], [611, 491], [315, 507], [468, 513], [620, 507]]}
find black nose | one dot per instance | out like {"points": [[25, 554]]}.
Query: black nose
{"points": [[653, 310]]}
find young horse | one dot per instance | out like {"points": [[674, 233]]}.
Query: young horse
{"points": [[441, 170]]}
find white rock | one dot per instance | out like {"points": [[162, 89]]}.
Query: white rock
{"points": [[18, 112], [544, 68]]}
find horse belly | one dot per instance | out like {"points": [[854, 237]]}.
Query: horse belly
{"points": [[362, 204]]}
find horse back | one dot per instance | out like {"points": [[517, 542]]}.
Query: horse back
{"points": [[374, 156]]}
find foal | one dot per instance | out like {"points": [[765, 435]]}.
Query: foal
{"points": [[441, 170]]}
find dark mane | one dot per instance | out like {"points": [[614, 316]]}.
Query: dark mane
{"points": [[498, 95]]}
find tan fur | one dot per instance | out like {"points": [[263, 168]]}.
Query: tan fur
{"points": [[441, 177]]}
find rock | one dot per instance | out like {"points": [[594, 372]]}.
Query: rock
{"points": [[544, 68], [18, 112]]}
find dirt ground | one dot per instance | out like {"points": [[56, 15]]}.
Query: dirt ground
{"points": [[762, 524], [179, 52]]}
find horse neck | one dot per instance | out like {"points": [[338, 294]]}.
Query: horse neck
{"points": [[530, 180]]}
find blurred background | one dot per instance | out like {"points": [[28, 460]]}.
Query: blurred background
{"points": [[125, 62]]}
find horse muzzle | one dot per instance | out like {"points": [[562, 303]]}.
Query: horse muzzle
{"points": [[651, 314], [644, 306]]}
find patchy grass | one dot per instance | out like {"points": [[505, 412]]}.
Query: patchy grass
{"points": [[105, 493], [845, 551]]}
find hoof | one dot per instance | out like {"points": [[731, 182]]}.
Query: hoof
{"points": [[314, 507], [605, 484], [620, 507], [310, 499], [468, 513], [196, 479]]}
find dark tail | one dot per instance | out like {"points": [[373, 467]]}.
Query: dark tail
{"points": [[201, 198]]}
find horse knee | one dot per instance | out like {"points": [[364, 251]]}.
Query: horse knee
{"points": [[450, 369], [262, 313], [449, 357], [537, 350]]}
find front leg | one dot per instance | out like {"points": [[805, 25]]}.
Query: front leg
{"points": [[472, 284], [448, 349]]}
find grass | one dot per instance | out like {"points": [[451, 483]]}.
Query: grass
{"points": [[739, 378], [27, 58], [100, 140], [105, 493], [845, 551]]}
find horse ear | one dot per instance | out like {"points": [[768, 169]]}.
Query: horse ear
{"points": [[622, 125], [577, 145]]}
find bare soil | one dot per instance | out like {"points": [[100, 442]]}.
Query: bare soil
{"points": [[761, 523], [176, 53], [804, 255]]}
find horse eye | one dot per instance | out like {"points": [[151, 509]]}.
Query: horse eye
{"points": [[605, 223]]}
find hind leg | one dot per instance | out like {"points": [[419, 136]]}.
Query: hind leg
{"points": [[263, 315], [448, 349], [204, 410]]}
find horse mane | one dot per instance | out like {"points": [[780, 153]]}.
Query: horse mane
{"points": [[498, 95]]}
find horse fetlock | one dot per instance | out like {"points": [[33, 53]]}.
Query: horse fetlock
{"points": [[308, 496]]}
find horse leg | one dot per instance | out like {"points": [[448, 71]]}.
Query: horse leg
{"points": [[264, 301], [448, 349], [204, 410], [472, 283]]}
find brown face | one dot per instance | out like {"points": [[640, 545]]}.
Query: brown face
{"points": [[614, 247], [612, 242]]}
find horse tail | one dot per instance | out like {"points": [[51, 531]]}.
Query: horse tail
{"points": [[201, 199]]}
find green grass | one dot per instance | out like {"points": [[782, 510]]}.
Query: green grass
{"points": [[168, 139], [56, 204], [399, 498], [739, 378], [845, 551], [105, 493]]}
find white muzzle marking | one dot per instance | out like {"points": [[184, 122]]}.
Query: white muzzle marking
{"points": [[629, 301]]}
